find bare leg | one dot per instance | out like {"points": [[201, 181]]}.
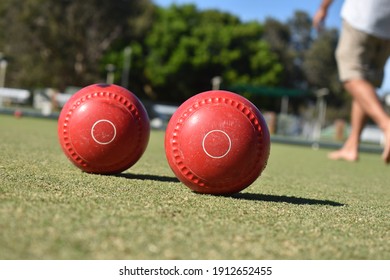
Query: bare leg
{"points": [[350, 149], [365, 95]]}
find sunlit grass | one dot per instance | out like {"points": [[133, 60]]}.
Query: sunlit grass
{"points": [[302, 207]]}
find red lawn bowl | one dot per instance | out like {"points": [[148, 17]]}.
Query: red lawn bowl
{"points": [[217, 142], [103, 129]]}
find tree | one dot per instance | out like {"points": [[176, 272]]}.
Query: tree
{"points": [[55, 43], [319, 64], [186, 48], [320, 70], [300, 26], [278, 36]]}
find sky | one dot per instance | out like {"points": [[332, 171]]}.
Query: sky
{"points": [[279, 9]]}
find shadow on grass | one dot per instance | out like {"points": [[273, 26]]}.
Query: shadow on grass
{"points": [[147, 177], [285, 199], [245, 196]]}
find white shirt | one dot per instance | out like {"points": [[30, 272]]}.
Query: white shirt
{"points": [[370, 16]]}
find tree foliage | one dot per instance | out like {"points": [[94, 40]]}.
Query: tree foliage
{"points": [[319, 61], [307, 58], [278, 36], [175, 51], [55, 43], [186, 48]]}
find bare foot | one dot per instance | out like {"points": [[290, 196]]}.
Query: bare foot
{"points": [[386, 150], [343, 154]]}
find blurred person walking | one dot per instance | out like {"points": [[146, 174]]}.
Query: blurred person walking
{"points": [[361, 54]]}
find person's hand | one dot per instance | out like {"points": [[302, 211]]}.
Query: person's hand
{"points": [[319, 18]]}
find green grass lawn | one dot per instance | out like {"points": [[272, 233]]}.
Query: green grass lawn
{"points": [[302, 207]]}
